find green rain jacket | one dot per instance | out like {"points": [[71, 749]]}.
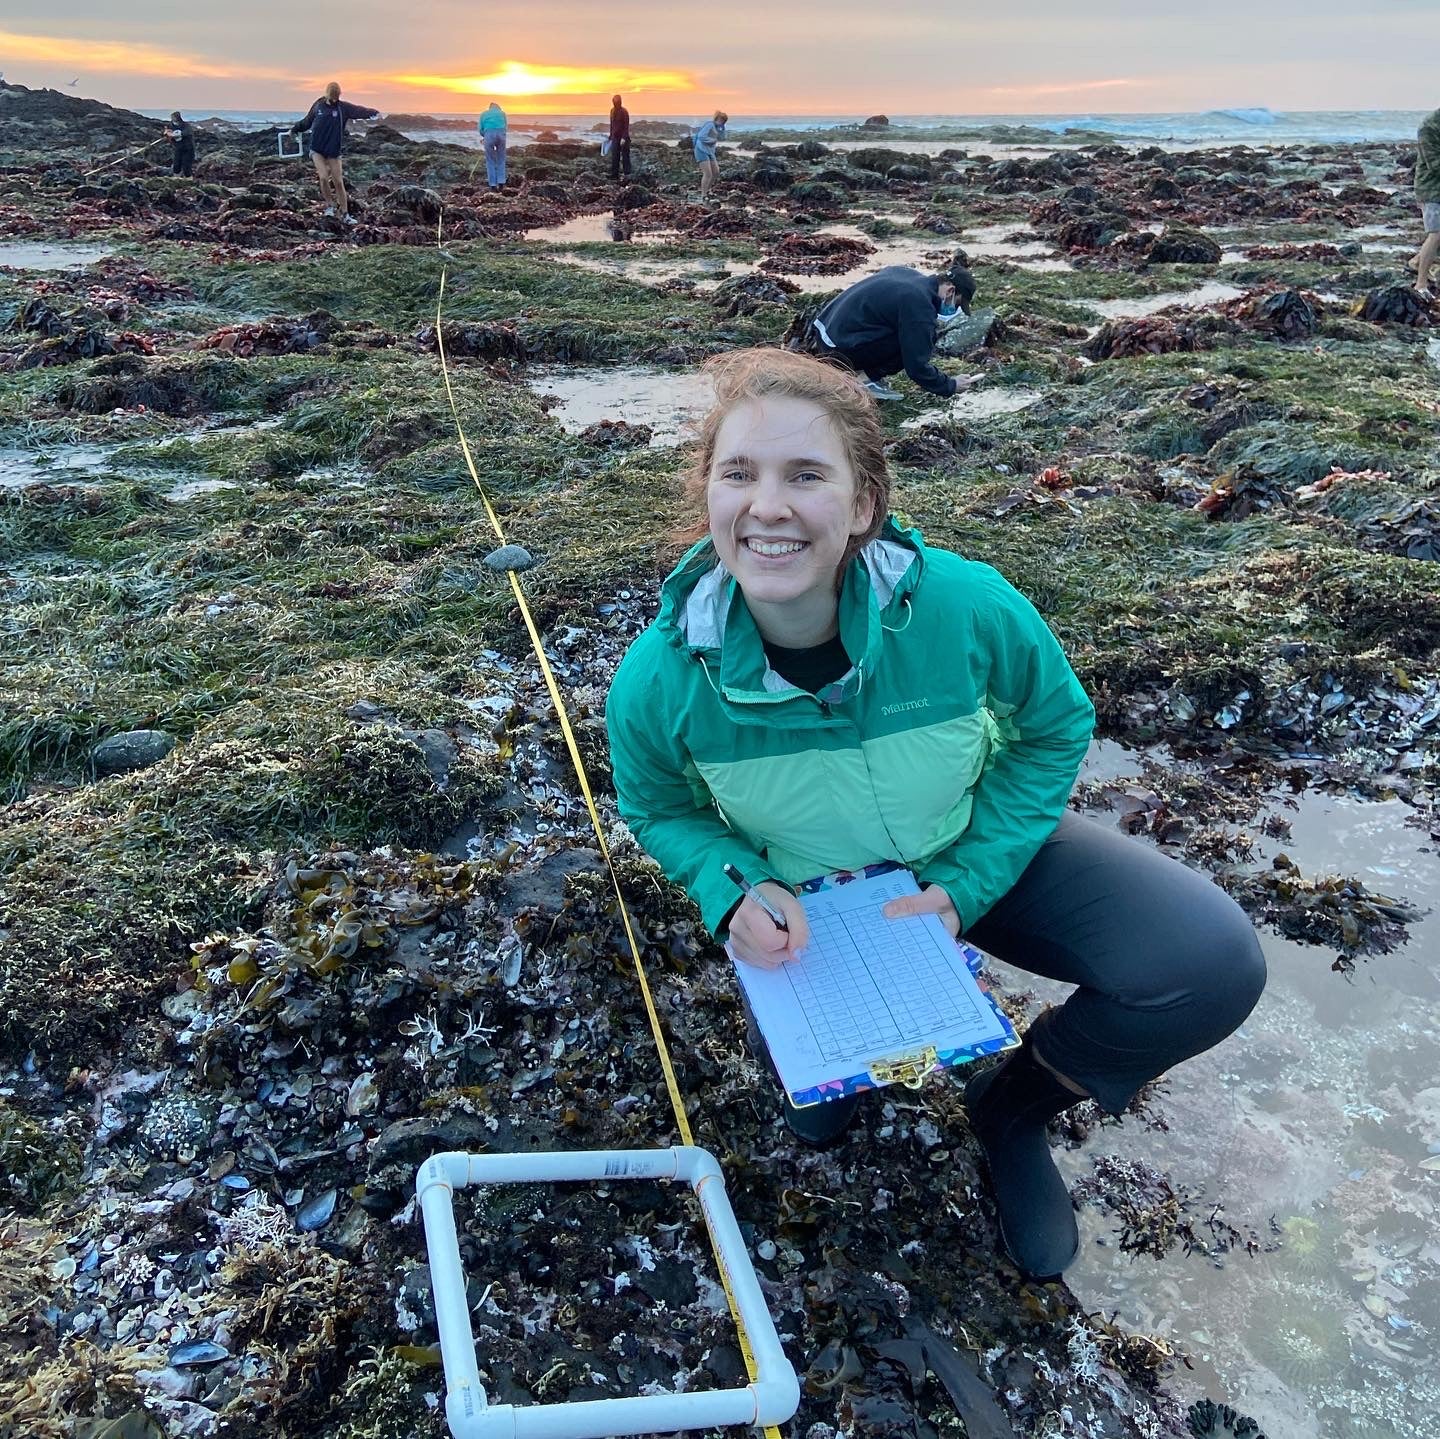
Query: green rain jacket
{"points": [[1427, 161], [951, 745]]}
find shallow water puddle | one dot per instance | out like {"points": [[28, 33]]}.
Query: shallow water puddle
{"points": [[994, 242], [587, 229], [86, 466], [979, 404], [48, 255], [624, 265], [192, 489], [72, 465], [1213, 292], [666, 400], [1323, 1111]]}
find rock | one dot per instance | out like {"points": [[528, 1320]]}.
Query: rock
{"points": [[1288, 314], [617, 435], [907, 171], [1396, 305], [771, 174], [130, 192], [818, 195], [1090, 232], [422, 203], [183, 1007], [876, 122], [416, 1299], [935, 222], [438, 748], [412, 1141], [881, 160], [746, 294], [670, 1282], [726, 1365], [968, 333], [1162, 187], [170, 1382], [1184, 247], [135, 749], [811, 151], [179, 1124], [509, 557], [634, 197], [544, 886]]}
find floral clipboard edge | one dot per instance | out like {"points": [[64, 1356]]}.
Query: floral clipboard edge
{"points": [[944, 1058]]}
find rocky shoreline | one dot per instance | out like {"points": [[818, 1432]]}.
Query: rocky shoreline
{"points": [[295, 884]]}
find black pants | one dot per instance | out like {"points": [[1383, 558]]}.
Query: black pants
{"points": [[184, 162], [619, 153], [875, 362], [1164, 962]]}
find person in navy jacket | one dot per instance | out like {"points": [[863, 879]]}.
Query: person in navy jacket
{"points": [[326, 123]]}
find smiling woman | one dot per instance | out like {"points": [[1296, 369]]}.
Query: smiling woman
{"points": [[822, 691]]}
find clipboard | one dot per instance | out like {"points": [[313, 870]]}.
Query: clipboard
{"points": [[873, 1002]]}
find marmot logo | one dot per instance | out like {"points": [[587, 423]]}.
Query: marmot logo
{"points": [[904, 705]]}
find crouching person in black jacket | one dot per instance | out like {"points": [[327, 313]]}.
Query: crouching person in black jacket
{"points": [[887, 323]]}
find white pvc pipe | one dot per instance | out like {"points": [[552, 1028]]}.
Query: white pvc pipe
{"points": [[435, 1184], [771, 1399]]}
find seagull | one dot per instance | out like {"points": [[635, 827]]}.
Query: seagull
{"points": [[73, 83]]}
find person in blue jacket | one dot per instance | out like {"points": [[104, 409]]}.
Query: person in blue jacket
{"points": [[326, 123], [705, 155], [493, 128]]}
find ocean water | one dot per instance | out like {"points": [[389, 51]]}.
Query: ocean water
{"points": [[1249, 126]]}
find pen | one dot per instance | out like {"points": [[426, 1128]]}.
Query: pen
{"points": [[750, 892]]}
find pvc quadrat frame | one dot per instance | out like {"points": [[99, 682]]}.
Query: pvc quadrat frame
{"points": [[771, 1398]]}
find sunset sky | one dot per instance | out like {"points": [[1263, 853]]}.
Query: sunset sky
{"points": [[761, 56]]}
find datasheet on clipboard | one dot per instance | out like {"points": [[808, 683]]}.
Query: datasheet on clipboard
{"points": [[873, 1001]]}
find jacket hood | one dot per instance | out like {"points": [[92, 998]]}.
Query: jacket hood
{"points": [[703, 612]]}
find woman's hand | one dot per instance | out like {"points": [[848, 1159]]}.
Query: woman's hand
{"points": [[754, 937], [931, 900]]}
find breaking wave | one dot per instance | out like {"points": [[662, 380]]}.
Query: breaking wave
{"points": [[1257, 115]]}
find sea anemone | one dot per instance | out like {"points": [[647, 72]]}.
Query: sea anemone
{"points": [[1306, 1245], [1304, 1346]]}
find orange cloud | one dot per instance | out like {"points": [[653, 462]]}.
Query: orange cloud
{"points": [[517, 77], [120, 57]]}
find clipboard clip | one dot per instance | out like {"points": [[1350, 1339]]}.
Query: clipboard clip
{"points": [[907, 1069]]}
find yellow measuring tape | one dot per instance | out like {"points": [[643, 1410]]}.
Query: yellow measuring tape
{"points": [[119, 160], [682, 1121]]}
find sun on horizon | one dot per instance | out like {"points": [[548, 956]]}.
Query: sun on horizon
{"points": [[521, 79]]}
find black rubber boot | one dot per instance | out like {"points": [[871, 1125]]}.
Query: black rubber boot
{"points": [[822, 1125], [1009, 1106]]}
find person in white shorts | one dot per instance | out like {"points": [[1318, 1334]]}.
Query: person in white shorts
{"points": [[1427, 192]]}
